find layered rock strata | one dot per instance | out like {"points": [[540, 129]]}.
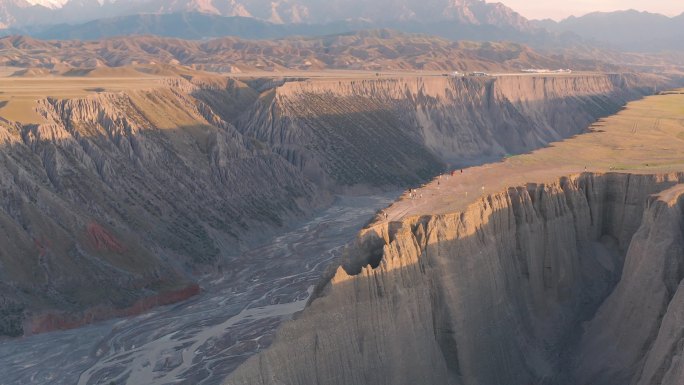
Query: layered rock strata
{"points": [[370, 131], [573, 282], [118, 197]]}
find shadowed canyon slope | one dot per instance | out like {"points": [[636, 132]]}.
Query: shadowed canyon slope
{"points": [[117, 196], [113, 200], [561, 280], [460, 119]]}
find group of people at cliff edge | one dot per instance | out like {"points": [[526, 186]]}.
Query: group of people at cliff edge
{"points": [[413, 193]]}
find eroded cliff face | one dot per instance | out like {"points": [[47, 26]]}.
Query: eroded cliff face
{"points": [[636, 336], [509, 291], [117, 199], [345, 131], [120, 197]]}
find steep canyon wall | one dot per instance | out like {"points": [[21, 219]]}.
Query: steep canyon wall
{"points": [[343, 132], [511, 290], [119, 197]]}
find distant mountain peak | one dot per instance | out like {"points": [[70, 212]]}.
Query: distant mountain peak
{"points": [[52, 4], [18, 13], [628, 30]]}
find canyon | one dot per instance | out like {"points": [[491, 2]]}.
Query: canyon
{"points": [[560, 266], [202, 339], [126, 190], [495, 294], [377, 192], [131, 192]]}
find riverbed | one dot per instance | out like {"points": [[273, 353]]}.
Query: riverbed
{"points": [[201, 340]]}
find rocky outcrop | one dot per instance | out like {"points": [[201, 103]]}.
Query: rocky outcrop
{"points": [[511, 290]]}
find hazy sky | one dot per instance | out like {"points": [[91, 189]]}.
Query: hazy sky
{"points": [[560, 9]]}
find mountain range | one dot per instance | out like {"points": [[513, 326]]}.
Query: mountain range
{"points": [[376, 50], [587, 36], [20, 13], [628, 30], [197, 25]]}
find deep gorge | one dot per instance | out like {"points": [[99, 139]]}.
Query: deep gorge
{"points": [[573, 282], [137, 193]]}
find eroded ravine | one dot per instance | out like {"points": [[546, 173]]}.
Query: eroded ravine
{"points": [[118, 199], [203, 339], [202, 179], [510, 290]]}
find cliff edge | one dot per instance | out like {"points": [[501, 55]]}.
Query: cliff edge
{"points": [[497, 293], [512, 273]]}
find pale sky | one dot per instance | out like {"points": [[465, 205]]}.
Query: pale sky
{"points": [[560, 9]]}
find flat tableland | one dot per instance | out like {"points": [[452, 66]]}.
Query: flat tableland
{"points": [[646, 137]]}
